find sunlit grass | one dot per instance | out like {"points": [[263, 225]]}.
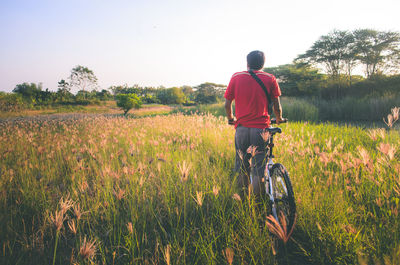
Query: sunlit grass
{"points": [[105, 107], [161, 190]]}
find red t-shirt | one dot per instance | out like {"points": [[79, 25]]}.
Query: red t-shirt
{"points": [[251, 103]]}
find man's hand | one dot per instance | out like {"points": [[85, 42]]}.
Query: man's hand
{"points": [[279, 120], [231, 121]]}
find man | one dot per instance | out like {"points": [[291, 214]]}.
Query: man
{"points": [[252, 117]]}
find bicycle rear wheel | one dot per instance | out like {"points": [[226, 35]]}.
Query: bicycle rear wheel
{"points": [[284, 204]]}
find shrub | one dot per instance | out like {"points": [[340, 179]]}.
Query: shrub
{"points": [[128, 101], [11, 102]]}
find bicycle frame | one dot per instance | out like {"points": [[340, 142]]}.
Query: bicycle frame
{"points": [[269, 189]]}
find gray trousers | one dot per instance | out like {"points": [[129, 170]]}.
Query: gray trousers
{"points": [[245, 138]]}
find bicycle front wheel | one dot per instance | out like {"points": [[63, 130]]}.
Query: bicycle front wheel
{"points": [[284, 204]]}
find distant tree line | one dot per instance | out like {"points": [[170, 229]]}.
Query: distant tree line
{"points": [[83, 80], [326, 69], [205, 93], [129, 97]]}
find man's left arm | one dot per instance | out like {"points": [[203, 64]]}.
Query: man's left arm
{"points": [[277, 108], [276, 103]]}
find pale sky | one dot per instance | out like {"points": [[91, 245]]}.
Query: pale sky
{"points": [[169, 42]]}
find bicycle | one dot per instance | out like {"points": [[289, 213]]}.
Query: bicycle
{"points": [[279, 192]]}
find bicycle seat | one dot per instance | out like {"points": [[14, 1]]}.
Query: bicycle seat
{"points": [[273, 130]]}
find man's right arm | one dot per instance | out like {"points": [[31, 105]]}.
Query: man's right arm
{"points": [[228, 110], [277, 108]]}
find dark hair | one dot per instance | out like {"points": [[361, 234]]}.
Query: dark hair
{"points": [[255, 60]]}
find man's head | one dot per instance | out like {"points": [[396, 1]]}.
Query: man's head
{"points": [[255, 60]]}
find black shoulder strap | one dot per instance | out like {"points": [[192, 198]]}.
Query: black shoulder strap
{"points": [[262, 85]]}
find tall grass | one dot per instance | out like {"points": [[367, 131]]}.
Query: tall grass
{"points": [[161, 190], [297, 109], [349, 109], [216, 109]]}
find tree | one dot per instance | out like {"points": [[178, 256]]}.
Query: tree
{"points": [[172, 95], [188, 91], [104, 95], [128, 101], [297, 79], [30, 92], [11, 102], [207, 93], [64, 89], [83, 78], [334, 51], [377, 49]]}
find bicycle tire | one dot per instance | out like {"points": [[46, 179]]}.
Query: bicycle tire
{"points": [[283, 195]]}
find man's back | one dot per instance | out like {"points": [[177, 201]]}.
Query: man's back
{"points": [[251, 104]]}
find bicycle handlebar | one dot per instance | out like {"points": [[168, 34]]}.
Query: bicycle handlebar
{"points": [[273, 121]]}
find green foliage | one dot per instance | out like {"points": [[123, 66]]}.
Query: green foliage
{"points": [[341, 51], [30, 92], [377, 49], [125, 89], [34, 95], [64, 92], [172, 95], [11, 102], [81, 77], [208, 93], [297, 79], [128, 101], [334, 51]]}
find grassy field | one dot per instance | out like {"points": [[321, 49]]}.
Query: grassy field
{"points": [[106, 107], [160, 190]]}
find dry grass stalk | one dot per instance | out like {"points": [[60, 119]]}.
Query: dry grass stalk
{"points": [[280, 230], [228, 254], [130, 227], [216, 190], [319, 226], [324, 158], [252, 150], [199, 198], [65, 204], [184, 169], [392, 117], [87, 249], [167, 254], [396, 113], [78, 211], [375, 133], [265, 135], [388, 150], [57, 219], [236, 197], [72, 226], [240, 154], [364, 155], [119, 194], [349, 229]]}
